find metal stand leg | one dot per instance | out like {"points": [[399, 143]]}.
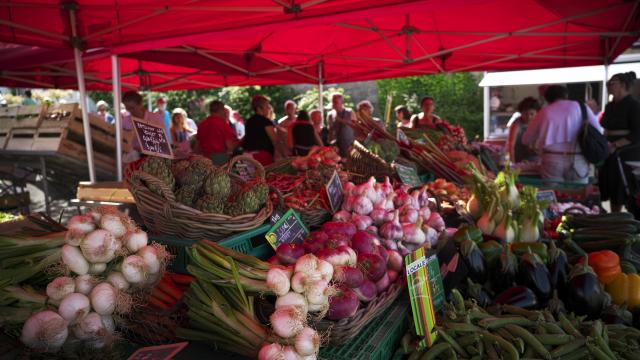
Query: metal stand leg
{"points": [[45, 184]]}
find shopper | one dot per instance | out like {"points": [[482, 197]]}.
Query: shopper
{"points": [[260, 135], [365, 111], [339, 122], [316, 120], [215, 138], [180, 131], [103, 113], [134, 105], [161, 108], [282, 128], [426, 118], [621, 121], [238, 121], [302, 135], [553, 133], [518, 152], [403, 117], [28, 100]]}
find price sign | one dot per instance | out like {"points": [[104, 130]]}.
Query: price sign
{"points": [[334, 192], [546, 195], [408, 175], [152, 138], [245, 170], [425, 292], [161, 352], [288, 229]]}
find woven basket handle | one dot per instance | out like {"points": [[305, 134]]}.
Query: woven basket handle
{"points": [[248, 159], [150, 179]]}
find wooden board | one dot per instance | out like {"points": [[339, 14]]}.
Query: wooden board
{"points": [[104, 191], [4, 136], [21, 139], [59, 115], [8, 117], [28, 116]]}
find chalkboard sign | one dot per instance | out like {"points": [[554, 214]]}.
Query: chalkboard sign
{"points": [[246, 170], [334, 192], [275, 216], [288, 229], [152, 138], [161, 352], [546, 195], [408, 175]]}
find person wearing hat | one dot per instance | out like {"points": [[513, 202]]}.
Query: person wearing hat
{"points": [[161, 108], [102, 112]]}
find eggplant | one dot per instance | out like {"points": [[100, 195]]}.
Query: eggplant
{"points": [[467, 231], [520, 296], [505, 272], [474, 260], [558, 267], [614, 314], [478, 293], [491, 250], [584, 295], [534, 275]]}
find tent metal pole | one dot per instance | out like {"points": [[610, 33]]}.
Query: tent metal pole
{"points": [[487, 109], [84, 104], [149, 102], [115, 70], [605, 94], [320, 97]]}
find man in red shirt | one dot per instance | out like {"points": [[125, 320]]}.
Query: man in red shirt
{"points": [[215, 138]]}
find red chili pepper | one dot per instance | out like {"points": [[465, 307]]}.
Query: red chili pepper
{"points": [[167, 285]]}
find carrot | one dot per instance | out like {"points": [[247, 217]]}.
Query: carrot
{"points": [[167, 286], [181, 279], [163, 296], [158, 304]]}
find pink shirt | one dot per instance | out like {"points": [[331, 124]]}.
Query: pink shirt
{"points": [[556, 126]]}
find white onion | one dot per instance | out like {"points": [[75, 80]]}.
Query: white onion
{"points": [[270, 352], [289, 353], [75, 261], [81, 223], [113, 224], [109, 323], [90, 327], [60, 287], [99, 246], [97, 268], [310, 357], [118, 281], [278, 281], [45, 331], [95, 215], [84, 284], [325, 269], [314, 308], [299, 282], [287, 321], [103, 298], [292, 299], [307, 342], [307, 264], [74, 307], [150, 256], [317, 292], [134, 269], [136, 240], [73, 237]]}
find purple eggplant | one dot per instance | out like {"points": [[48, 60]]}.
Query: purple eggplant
{"points": [[520, 296], [534, 275]]}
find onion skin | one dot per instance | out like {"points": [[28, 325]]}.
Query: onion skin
{"points": [[307, 342], [349, 276], [383, 283], [60, 287], [288, 254], [395, 262], [367, 291], [362, 242], [75, 261], [74, 306], [81, 223], [339, 227], [372, 266], [45, 331], [393, 276], [343, 304]]}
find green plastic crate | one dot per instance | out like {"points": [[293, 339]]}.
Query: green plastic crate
{"points": [[251, 242], [378, 340]]}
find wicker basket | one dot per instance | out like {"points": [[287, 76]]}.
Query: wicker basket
{"points": [[340, 332], [362, 164], [163, 215]]}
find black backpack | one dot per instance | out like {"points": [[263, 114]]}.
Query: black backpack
{"points": [[594, 145]]}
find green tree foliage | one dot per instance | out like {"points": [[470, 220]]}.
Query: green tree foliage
{"points": [[458, 97], [309, 100]]}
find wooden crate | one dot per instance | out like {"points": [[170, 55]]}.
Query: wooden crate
{"points": [[8, 117], [69, 143], [28, 116], [4, 136], [104, 191], [21, 139], [59, 115]]}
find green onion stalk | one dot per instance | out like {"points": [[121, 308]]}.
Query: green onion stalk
{"points": [[222, 313], [25, 259]]}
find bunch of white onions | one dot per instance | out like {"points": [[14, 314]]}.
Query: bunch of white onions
{"points": [[104, 239], [307, 290]]}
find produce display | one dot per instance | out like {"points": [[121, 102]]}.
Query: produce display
{"points": [[316, 157], [387, 149]]}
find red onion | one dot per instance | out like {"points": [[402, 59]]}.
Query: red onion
{"points": [[315, 241], [383, 283], [337, 240], [391, 244], [274, 260], [362, 242], [348, 276], [396, 261], [343, 304], [393, 275], [288, 253], [342, 215], [372, 265], [339, 227], [380, 250], [367, 291]]}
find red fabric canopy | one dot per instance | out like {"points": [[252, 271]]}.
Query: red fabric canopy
{"points": [[257, 42]]}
